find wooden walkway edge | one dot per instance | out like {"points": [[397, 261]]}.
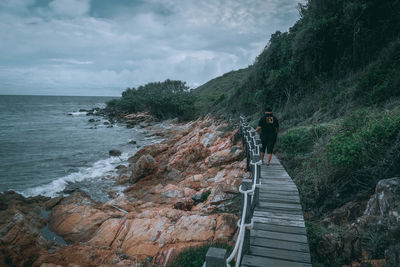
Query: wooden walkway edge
{"points": [[278, 237]]}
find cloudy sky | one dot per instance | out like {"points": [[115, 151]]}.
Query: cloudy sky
{"points": [[101, 47]]}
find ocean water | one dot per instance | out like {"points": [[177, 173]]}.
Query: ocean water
{"points": [[46, 144]]}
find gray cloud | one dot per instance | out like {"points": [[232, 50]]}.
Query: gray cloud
{"points": [[78, 47]]}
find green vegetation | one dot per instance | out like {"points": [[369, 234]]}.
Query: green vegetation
{"points": [[164, 100], [333, 81], [195, 256], [203, 198]]}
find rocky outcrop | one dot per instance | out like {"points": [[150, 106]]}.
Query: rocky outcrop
{"points": [[21, 220], [180, 193], [370, 230]]}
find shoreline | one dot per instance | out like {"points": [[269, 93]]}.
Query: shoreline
{"points": [[179, 193]]}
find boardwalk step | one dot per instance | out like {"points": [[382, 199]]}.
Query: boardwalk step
{"points": [[280, 228], [287, 206], [279, 215], [281, 254], [279, 244], [257, 261], [277, 221], [279, 236]]}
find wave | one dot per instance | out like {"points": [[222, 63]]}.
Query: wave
{"points": [[78, 113], [97, 171]]}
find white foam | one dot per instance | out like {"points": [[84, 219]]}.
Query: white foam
{"points": [[98, 170], [78, 113]]}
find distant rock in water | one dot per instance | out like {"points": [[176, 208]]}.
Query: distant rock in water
{"points": [[114, 153], [91, 120]]}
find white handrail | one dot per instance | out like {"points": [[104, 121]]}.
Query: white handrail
{"points": [[241, 223]]}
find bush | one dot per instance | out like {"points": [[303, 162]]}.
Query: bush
{"points": [[164, 100], [195, 256], [301, 139], [364, 140]]}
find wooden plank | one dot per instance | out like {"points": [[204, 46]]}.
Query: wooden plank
{"points": [[279, 244], [279, 192], [280, 215], [256, 261], [282, 211], [277, 198], [280, 254], [277, 182], [279, 236], [281, 199], [280, 228], [280, 205], [277, 221]]}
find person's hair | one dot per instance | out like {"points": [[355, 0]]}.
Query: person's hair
{"points": [[268, 109]]}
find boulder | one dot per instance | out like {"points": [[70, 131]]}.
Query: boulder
{"points": [[144, 166], [386, 200], [20, 223], [225, 156], [114, 153], [77, 217]]}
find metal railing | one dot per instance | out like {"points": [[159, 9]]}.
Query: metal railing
{"points": [[217, 256]]}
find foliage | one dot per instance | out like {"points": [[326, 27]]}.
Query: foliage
{"points": [[375, 242], [162, 99], [315, 234], [195, 256], [363, 137], [331, 41], [300, 139], [203, 197]]}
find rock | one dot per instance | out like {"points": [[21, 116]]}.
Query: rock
{"points": [[91, 120], [209, 139], [83, 110], [348, 213], [133, 142], [185, 204], [114, 153], [142, 167], [386, 200], [224, 157], [76, 218], [106, 123], [20, 223], [83, 255]]}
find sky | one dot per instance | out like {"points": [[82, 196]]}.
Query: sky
{"points": [[102, 47]]}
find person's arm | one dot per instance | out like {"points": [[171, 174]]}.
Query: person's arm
{"points": [[258, 128]]}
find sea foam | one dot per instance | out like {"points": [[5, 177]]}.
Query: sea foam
{"points": [[97, 171]]}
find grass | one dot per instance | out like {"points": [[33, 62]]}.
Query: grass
{"points": [[195, 256]]}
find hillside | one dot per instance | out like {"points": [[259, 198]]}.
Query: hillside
{"points": [[334, 82]]}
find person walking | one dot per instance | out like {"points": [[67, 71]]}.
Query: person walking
{"points": [[269, 126]]}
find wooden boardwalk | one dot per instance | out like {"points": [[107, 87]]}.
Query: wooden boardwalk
{"points": [[278, 238]]}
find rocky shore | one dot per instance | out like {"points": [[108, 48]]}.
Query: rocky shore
{"points": [[182, 192]]}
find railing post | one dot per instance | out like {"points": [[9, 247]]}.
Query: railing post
{"points": [[246, 185], [215, 257]]}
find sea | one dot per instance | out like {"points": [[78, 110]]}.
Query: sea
{"points": [[47, 145]]}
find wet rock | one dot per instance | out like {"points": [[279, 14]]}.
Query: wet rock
{"points": [[114, 153], [145, 165], [20, 223], [91, 120]]}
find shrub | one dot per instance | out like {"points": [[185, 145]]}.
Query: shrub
{"points": [[195, 256], [301, 139], [361, 142]]}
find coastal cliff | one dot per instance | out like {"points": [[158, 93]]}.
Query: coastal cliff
{"points": [[180, 193]]}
